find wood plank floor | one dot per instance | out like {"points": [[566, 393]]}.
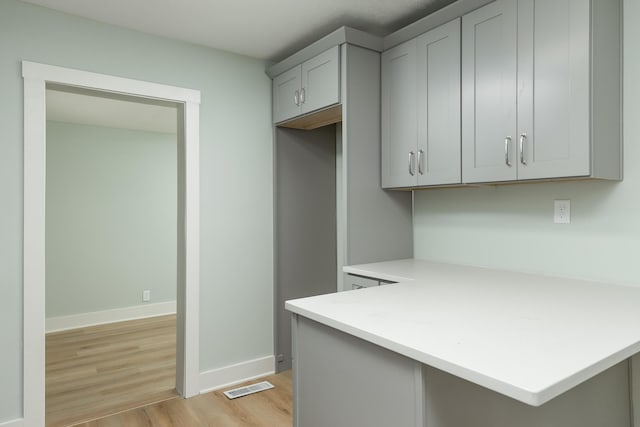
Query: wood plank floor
{"points": [[270, 408], [102, 370]]}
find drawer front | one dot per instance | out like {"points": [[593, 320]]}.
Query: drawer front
{"points": [[359, 282]]}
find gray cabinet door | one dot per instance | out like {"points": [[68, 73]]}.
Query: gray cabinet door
{"points": [[553, 88], [286, 95], [489, 48], [438, 149], [399, 118], [343, 381], [320, 86], [313, 85]]}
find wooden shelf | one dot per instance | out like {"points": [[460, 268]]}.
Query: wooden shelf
{"points": [[316, 119]]}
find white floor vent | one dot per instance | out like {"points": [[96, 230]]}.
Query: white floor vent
{"points": [[249, 389]]}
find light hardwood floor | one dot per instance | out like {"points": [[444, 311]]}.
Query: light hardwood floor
{"points": [[270, 408], [102, 370]]}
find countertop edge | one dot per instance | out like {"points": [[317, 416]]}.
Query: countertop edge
{"points": [[533, 398], [530, 397], [377, 275]]}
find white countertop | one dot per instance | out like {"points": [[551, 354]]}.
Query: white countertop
{"points": [[528, 337]]}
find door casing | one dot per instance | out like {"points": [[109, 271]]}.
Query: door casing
{"points": [[36, 76]]}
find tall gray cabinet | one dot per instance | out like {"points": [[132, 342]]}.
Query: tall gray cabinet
{"points": [[330, 209]]}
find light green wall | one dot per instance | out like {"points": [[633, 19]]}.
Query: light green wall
{"points": [[236, 174], [511, 227], [111, 218]]}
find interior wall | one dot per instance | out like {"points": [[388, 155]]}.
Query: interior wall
{"points": [[511, 227], [111, 218], [236, 174]]}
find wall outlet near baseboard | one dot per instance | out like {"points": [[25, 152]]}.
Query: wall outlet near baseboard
{"points": [[146, 295]]}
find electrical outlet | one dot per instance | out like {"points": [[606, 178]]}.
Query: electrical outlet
{"points": [[146, 295], [562, 211]]}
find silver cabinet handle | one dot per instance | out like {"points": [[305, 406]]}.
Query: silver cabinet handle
{"points": [[420, 162], [303, 95], [296, 98], [412, 167], [507, 145], [523, 139]]}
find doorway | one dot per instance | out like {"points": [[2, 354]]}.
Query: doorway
{"points": [[111, 225], [36, 78]]}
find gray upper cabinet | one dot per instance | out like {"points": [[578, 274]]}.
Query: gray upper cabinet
{"points": [[541, 91], [310, 86], [320, 81], [421, 110], [286, 95], [399, 116], [439, 106], [553, 88], [489, 49]]}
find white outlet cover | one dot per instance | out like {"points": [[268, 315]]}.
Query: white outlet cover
{"points": [[562, 211]]}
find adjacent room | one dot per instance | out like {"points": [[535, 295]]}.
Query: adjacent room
{"points": [[111, 250]]}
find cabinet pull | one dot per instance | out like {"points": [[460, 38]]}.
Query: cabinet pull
{"points": [[296, 98], [412, 167], [507, 157], [303, 95], [523, 139], [420, 162]]}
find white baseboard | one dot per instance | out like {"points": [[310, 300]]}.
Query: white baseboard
{"points": [[12, 423], [230, 375], [62, 323]]}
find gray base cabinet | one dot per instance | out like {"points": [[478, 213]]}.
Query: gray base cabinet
{"points": [[599, 402], [355, 282], [341, 380]]}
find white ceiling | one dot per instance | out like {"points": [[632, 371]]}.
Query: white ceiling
{"points": [[272, 29], [92, 108]]}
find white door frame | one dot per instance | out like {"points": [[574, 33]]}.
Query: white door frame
{"points": [[36, 76]]}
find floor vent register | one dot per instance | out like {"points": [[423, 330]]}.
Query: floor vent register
{"points": [[248, 389]]}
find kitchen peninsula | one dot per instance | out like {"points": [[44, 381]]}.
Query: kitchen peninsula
{"points": [[466, 347]]}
